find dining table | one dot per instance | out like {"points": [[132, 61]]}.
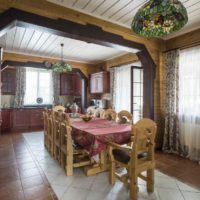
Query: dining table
{"points": [[94, 137]]}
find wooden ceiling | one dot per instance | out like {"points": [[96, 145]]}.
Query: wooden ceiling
{"points": [[122, 11], [37, 43]]}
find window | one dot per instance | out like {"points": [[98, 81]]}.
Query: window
{"points": [[38, 84], [137, 93]]}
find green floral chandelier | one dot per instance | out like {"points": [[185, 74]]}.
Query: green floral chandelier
{"points": [[61, 66], [159, 18]]}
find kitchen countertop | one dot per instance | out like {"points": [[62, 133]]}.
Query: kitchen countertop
{"points": [[31, 107]]}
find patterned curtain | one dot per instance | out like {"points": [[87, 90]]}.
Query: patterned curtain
{"points": [[56, 88], [20, 87], [171, 141], [112, 85]]}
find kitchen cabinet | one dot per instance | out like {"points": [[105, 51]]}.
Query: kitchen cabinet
{"points": [[100, 82], [77, 84], [5, 120], [8, 80], [70, 84], [21, 118], [36, 118]]}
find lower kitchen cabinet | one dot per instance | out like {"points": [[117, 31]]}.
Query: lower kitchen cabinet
{"points": [[5, 120], [36, 118], [21, 119]]}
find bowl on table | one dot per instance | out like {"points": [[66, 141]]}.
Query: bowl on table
{"points": [[86, 118]]}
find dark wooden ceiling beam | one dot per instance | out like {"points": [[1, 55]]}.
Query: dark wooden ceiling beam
{"points": [[88, 33]]}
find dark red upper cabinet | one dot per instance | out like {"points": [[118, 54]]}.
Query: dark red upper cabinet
{"points": [[8, 79], [70, 84], [77, 83], [66, 84], [100, 82]]}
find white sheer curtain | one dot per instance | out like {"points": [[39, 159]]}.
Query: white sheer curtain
{"points": [[122, 88], [189, 101]]}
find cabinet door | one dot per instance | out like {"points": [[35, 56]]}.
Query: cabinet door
{"points": [[21, 118], [66, 84], [36, 118], [8, 78], [92, 84], [77, 85], [5, 120], [99, 84], [96, 83]]}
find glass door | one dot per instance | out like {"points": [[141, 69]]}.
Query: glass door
{"points": [[137, 85]]}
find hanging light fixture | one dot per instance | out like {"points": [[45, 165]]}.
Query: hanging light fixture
{"points": [[61, 66], [159, 18]]}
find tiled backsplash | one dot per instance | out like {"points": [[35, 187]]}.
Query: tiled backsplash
{"points": [[7, 101]]}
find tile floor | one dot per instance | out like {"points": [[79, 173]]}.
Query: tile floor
{"points": [[25, 164]]}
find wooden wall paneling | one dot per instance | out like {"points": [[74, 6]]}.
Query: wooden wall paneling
{"points": [[86, 68], [183, 41], [124, 59]]}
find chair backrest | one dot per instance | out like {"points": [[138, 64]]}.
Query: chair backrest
{"points": [[126, 114], [99, 112], [50, 127], [110, 114], [58, 118], [91, 110], [45, 117], [144, 132], [65, 130], [59, 108]]}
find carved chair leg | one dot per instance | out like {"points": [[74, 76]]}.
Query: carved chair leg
{"points": [[150, 180], [69, 165], [133, 186], [112, 176]]}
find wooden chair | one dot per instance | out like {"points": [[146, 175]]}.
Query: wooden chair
{"points": [[59, 108], [45, 116], [71, 155], [91, 110], [110, 114], [50, 132], [57, 120], [125, 117], [136, 159], [99, 112]]}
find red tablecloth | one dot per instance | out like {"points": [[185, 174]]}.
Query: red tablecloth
{"points": [[93, 135]]}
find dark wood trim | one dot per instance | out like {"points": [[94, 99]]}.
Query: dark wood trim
{"points": [[42, 65], [148, 76], [89, 33]]}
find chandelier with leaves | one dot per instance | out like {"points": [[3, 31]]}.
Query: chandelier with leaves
{"points": [[61, 66]]}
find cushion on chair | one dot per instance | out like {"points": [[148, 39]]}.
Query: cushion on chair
{"points": [[123, 156]]}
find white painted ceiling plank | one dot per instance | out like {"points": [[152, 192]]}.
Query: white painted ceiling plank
{"points": [[44, 37], [10, 38], [18, 38]]}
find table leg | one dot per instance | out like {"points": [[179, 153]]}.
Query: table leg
{"points": [[102, 166]]}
